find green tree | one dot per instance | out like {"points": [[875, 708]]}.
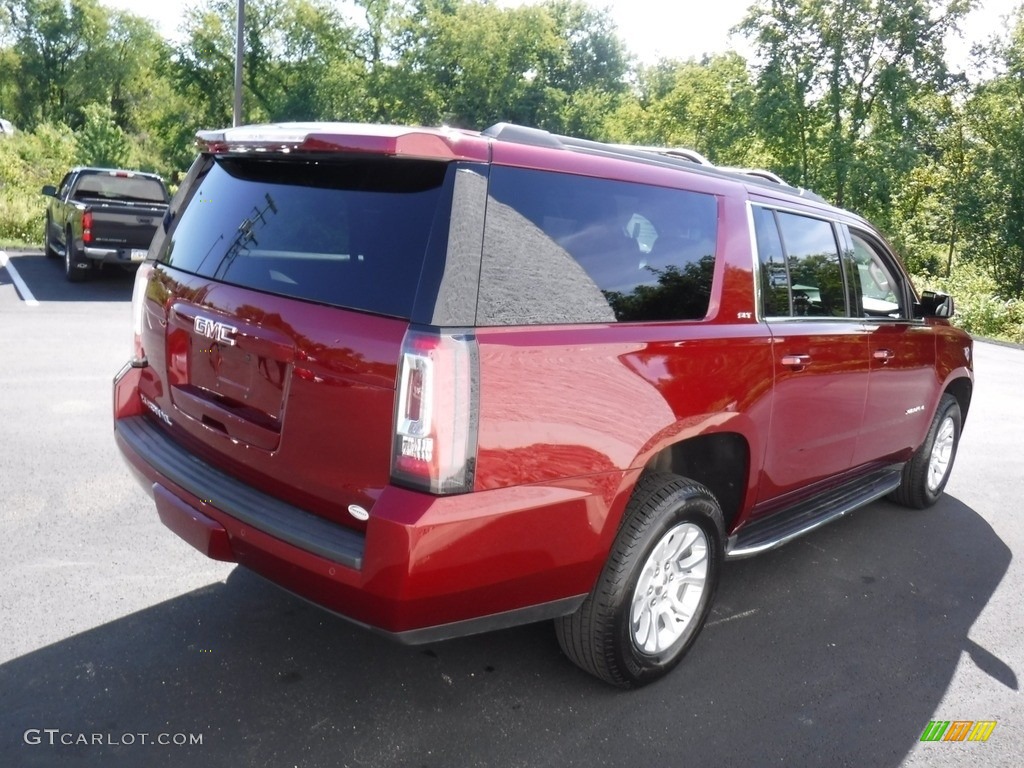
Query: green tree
{"points": [[10, 67], [58, 45], [993, 190], [839, 75], [101, 142], [294, 52], [929, 203], [458, 85], [549, 66], [588, 77], [61, 56], [705, 105]]}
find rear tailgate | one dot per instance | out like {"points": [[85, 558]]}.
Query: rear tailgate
{"points": [[274, 317], [126, 207], [295, 399], [119, 225]]}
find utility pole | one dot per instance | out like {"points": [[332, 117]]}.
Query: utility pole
{"points": [[239, 51]]}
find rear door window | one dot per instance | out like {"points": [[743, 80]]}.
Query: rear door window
{"points": [[801, 271], [815, 272], [570, 249], [774, 272], [347, 233]]}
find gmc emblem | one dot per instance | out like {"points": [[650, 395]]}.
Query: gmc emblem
{"points": [[204, 326]]}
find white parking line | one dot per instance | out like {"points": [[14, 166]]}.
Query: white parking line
{"points": [[26, 294]]}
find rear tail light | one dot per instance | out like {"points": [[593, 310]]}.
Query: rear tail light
{"points": [[436, 413], [139, 313], [87, 227]]}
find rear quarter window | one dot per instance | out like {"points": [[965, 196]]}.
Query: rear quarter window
{"points": [[351, 233], [569, 249]]}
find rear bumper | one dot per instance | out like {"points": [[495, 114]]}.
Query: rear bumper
{"points": [[214, 489], [427, 567], [123, 256]]}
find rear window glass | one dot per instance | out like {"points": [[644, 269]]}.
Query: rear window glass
{"points": [[570, 249], [110, 186], [348, 233]]}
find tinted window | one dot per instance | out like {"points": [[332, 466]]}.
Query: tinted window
{"points": [[110, 186], [351, 234], [571, 249], [774, 273], [815, 274], [876, 285]]}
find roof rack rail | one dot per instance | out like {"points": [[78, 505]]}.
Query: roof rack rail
{"points": [[684, 152], [760, 173], [677, 157]]}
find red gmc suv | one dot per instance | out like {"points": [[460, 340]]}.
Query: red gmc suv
{"points": [[441, 382]]}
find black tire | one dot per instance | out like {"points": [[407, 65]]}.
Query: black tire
{"points": [[72, 269], [48, 250], [600, 636], [926, 474]]}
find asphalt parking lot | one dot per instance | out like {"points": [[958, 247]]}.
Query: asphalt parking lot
{"points": [[837, 649]]}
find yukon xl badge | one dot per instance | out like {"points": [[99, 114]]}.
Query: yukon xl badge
{"points": [[204, 326], [156, 409]]}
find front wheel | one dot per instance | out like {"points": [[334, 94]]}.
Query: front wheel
{"points": [[926, 474], [48, 248], [655, 591]]}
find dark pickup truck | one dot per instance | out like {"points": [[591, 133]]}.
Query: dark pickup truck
{"points": [[102, 216]]}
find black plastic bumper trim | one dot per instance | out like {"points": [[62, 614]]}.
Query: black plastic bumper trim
{"points": [[530, 614], [265, 513]]}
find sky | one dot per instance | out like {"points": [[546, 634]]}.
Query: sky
{"points": [[653, 29]]}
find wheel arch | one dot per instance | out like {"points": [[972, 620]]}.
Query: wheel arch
{"points": [[961, 388], [720, 461]]}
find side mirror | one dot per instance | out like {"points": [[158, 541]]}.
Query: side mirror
{"points": [[935, 304], [50, 191]]}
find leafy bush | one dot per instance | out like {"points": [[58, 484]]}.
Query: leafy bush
{"points": [[978, 309], [28, 160]]}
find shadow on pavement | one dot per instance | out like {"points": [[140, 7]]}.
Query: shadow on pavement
{"points": [[45, 278], [834, 650]]}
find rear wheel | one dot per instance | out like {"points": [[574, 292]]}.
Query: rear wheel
{"points": [[655, 591], [75, 269], [926, 474]]}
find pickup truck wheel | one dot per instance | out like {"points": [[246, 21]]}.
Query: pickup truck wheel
{"points": [[73, 270], [655, 591], [48, 250], [925, 475]]}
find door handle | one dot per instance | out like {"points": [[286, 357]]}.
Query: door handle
{"points": [[796, 362], [885, 355]]}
